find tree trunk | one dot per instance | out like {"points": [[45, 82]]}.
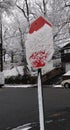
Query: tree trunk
{"points": [[12, 57], [1, 42]]}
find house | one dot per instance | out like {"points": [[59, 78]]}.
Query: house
{"points": [[65, 57]]}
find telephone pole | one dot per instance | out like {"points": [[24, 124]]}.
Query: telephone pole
{"points": [[1, 54]]}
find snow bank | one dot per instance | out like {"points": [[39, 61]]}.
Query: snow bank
{"points": [[24, 127], [20, 70], [13, 72], [20, 86], [28, 128], [30, 86], [57, 86], [68, 73]]}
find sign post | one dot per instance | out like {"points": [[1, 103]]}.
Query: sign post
{"points": [[40, 101], [39, 50]]}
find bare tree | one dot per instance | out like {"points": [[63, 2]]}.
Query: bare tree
{"points": [[61, 15], [25, 11], [5, 5]]}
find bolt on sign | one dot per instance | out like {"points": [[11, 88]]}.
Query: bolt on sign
{"points": [[39, 43]]}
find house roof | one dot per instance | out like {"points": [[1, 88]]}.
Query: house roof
{"points": [[66, 46]]}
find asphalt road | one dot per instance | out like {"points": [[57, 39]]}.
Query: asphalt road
{"points": [[19, 106]]}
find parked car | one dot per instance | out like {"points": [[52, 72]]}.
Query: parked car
{"points": [[66, 83]]}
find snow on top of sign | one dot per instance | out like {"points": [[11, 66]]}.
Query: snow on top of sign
{"points": [[39, 37], [40, 40]]}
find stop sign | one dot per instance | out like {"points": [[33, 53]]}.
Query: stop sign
{"points": [[39, 43]]}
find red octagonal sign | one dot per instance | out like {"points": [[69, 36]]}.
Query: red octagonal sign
{"points": [[39, 43]]}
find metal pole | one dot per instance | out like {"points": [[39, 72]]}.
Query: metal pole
{"points": [[40, 101]]}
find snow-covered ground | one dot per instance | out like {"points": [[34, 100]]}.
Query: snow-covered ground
{"points": [[20, 86], [13, 72], [27, 128], [57, 86], [67, 73], [27, 86], [20, 70]]}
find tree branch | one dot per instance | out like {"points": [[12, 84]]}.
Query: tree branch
{"points": [[40, 7], [60, 29], [21, 10], [27, 10]]}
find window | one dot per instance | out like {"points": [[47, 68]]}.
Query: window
{"points": [[67, 51]]}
